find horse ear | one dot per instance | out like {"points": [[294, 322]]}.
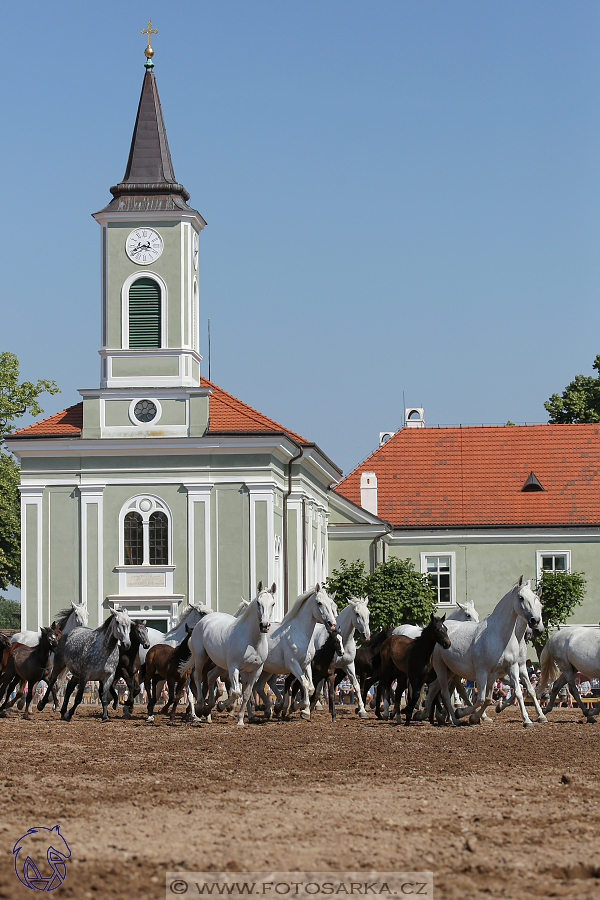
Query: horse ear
{"points": [[520, 581], [317, 587], [444, 617], [73, 604], [273, 588], [366, 601], [333, 595], [143, 621], [259, 586], [539, 591]]}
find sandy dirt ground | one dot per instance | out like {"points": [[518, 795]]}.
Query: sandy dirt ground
{"points": [[493, 811]]}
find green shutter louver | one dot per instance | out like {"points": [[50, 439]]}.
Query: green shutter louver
{"points": [[144, 314]]}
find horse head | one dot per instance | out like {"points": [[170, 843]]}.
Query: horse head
{"points": [[468, 611], [49, 638], [121, 627], [528, 605], [327, 610], [265, 604], [141, 633], [360, 616], [438, 630], [80, 613]]}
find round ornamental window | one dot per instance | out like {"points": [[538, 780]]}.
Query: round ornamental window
{"points": [[145, 505], [145, 411]]}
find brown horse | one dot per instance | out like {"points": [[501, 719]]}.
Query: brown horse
{"points": [[162, 664], [5, 651], [29, 665], [408, 661]]}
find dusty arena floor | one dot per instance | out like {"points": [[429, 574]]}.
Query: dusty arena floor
{"points": [[486, 809]]}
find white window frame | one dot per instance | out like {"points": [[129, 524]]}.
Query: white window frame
{"points": [[541, 553], [452, 555], [156, 505], [125, 309]]}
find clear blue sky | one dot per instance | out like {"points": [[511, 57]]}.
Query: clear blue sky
{"points": [[400, 196]]}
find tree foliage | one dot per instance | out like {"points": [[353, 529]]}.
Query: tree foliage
{"points": [[397, 593], [561, 593], [10, 523], [580, 400], [10, 614], [15, 400]]}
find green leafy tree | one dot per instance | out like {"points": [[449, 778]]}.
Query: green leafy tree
{"points": [[580, 400], [561, 593], [398, 594], [350, 580], [16, 399], [10, 614]]}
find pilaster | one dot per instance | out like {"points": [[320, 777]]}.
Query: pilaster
{"points": [[92, 540]]}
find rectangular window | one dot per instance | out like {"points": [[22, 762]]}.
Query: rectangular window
{"points": [[441, 570], [553, 561]]}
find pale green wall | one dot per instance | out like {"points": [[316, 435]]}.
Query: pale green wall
{"points": [[120, 267], [145, 364]]}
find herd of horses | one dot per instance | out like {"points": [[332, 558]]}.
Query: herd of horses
{"points": [[312, 646]]}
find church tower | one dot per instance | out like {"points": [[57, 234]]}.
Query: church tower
{"points": [[150, 331]]}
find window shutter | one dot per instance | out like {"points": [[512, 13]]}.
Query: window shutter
{"points": [[144, 314]]}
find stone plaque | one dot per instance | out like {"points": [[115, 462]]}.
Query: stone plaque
{"points": [[146, 579]]}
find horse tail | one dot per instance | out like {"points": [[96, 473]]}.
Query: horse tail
{"points": [[550, 670]]}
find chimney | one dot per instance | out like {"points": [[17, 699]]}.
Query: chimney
{"points": [[368, 492], [414, 417]]}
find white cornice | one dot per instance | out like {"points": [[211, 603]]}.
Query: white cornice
{"points": [[356, 512], [105, 217]]}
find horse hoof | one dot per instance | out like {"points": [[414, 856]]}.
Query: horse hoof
{"points": [[542, 720], [304, 714], [150, 719], [363, 714], [499, 707], [591, 720], [528, 724], [241, 723]]}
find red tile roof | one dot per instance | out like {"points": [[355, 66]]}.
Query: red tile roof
{"points": [[226, 414], [473, 476], [66, 422]]}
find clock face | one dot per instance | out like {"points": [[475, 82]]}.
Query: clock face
{"points": [[143, 246], [195, 250]]}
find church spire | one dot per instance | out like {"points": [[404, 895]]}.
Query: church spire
{"points": [[149, 182]]}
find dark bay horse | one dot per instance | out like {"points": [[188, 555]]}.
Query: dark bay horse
{"points": [[367, 662], [162, 664], [129, 665], [408, 660], [29, 665]]}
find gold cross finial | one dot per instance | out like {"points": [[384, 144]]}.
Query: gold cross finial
{"points": [[149, 52]]}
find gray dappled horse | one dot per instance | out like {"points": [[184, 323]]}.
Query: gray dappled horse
{"points": [[90, 655]]}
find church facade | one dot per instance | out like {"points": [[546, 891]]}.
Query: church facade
{"points": [[159, 488]]}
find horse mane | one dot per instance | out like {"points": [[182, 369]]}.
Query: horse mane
{"points": [[293, 612], [243, 610], [188, 610], [62, 617], [105, 625]]}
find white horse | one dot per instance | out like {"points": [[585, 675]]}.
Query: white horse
{"points": [[65, 620], [523, 631], [237, 645], [483, 651], [464, 612], [354, 617], [291, 646], [570, 650]]}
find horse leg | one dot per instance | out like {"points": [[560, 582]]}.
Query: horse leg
{"points": [[588, 714], [19, 694], [260, 690], [331, 693], [441, 670], [71, 685], [279, 698], [10, 684], [484, 697], [247, 683], [78, 698], [351, 672], [150, 684], [529, 688], [55, 703], [558, 684], [516, 683], [297, 670], [414, 692], [30, 689]]}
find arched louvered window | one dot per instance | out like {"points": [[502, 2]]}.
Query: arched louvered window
{"points": [[144, 314], [158, 535], [133, 535]]}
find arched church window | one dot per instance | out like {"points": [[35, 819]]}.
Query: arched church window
{"points": [[133, 539], [158, 536], [144, 314], [146, 532]]}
